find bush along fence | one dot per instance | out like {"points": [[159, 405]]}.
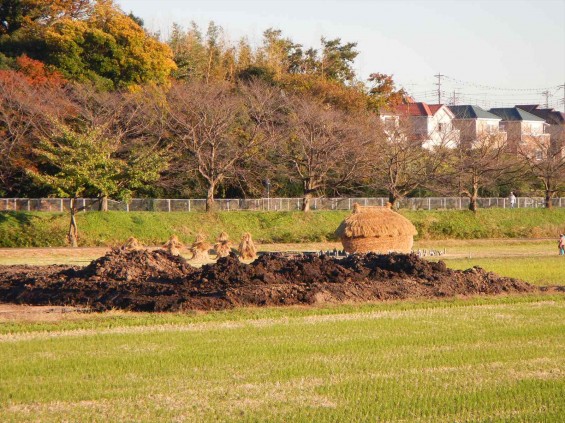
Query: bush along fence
{"points": [[264, 204]]}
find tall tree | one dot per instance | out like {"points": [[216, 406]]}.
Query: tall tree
{"points": [[324, 148], [544, 160], [123, 117], [383, 93], [189, 52], [398, 163], [476, 165], [215, 129], [77, 162], [27, 100], [337, 60], [89, 40]]}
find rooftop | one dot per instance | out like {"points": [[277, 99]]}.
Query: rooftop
{"points": [[515, 114], [471, 112], [551, 116], [418, 109]]}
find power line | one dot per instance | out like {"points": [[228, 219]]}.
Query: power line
{"points": [[547, 94], [489, 87]]}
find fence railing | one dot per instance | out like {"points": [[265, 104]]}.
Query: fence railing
{"points": [[265, 204]]}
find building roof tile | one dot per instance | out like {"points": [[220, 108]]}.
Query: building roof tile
{"points": [[418, 109], [471, 112], [515, 114], [551, 116]]}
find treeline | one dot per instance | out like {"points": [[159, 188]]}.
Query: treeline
{"points": [[91, 104]]}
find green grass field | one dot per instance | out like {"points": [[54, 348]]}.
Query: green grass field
{"points": [[29, 229], [491, 359], [535, 270], [465, 360]]}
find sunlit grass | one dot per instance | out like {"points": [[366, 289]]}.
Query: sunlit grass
{"points": [[43, 229], [482, 359], [535, 270]]}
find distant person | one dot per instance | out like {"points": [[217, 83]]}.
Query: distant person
{"points": [[512, 199], [561, 244]]}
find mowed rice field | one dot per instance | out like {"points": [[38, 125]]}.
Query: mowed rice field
{"points": [[460, 360], [455, 360]]}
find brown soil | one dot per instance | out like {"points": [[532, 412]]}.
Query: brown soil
{"points": [[143, 280]]}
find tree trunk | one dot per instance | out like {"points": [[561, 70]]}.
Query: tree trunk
{"points": [[473, 197], [210, 198], [103, 203], [548, 202], [307, 200], [392, 199], [473, 203], [73, 229]]}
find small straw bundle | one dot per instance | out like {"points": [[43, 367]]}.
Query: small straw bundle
{"points": [[132, 244], [173, 245], [200, 248], [376, 229], [247, 250], [223, 245]]}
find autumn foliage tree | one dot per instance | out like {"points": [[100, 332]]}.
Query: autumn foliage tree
{"points": [[324, 147], [28, 99], [215, 129], [83, 161], [476, 165], [398, 164], [544, 160], [86, 41]]}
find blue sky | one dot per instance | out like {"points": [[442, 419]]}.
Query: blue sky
{"points": [[493, 53]]}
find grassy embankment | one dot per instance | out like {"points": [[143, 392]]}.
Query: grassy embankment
{"points": [[23, 229], [480, 359]]}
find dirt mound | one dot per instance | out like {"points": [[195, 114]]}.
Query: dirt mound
{"points": [[145, 280], [123, 264]]}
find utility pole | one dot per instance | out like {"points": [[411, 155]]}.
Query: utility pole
{"points": [[562, 87], [546, 94], [454, 99], [438, 76]]}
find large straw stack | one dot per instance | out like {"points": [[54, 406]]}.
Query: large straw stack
{"points": [[376, 229]]}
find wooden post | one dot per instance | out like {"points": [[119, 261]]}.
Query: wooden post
{"points": [[169, 205]]}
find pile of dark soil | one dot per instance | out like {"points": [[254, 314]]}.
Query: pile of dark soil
{"points": [[143, 280]]}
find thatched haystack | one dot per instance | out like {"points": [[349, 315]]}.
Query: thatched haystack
{"points": [[247, 250], [376, 229], [132, 244], [173, 245], [223, 245], [200, 248]]}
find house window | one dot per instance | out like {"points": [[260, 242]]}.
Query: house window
{"points": [[443, 127], [539, 155]]}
